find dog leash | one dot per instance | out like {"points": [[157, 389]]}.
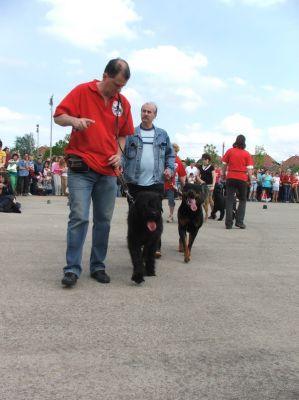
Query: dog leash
{"points": [[125, 188]]}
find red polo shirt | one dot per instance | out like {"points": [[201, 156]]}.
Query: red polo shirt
{"points": [[238, 161], [98, 142]]}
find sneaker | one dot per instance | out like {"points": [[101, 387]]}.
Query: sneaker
{"points": [[241, 226], [69, 279], [101, 276], [170, 219], [228, 227]]}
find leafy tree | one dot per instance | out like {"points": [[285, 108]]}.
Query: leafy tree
{"points": [[259, 156], [212, 151], [25, 144], [188, 161], [58, 148]]}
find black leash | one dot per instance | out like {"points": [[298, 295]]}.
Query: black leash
{"points": [[120, 177], [125, 188]]}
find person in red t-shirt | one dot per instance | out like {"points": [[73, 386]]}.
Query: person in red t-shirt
{"points": [[238, 166], [101, 119], [170, 184]]}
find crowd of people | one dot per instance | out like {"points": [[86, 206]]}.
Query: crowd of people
{"points": [[27, 175]]}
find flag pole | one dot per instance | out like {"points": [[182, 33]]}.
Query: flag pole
{"points": [[51, 124]]}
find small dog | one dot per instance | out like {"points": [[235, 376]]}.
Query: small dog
{"points": [[190, 215], [219, 203], [145, 226]]}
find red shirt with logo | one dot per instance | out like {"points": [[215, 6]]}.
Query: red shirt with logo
{"points": [[98, 142], [238, 161], [179, 169]]}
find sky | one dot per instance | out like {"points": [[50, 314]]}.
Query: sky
{"points": [[214, 68]]}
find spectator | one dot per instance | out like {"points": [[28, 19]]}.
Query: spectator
{"points": [[192, 168], [266, 186], [275, 187], [8, 156], [12, 169], [286, 181], [294, 187], [23, 176], [253, 186], [2, 157], [207, 175], [170, 184]]}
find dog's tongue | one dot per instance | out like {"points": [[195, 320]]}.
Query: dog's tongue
{"points": [[151, 225], [192, 204]]}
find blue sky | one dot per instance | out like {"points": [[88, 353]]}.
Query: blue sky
{"points": [[215, 68]]}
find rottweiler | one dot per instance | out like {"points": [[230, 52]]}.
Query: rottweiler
{"points": [[190, 215]]}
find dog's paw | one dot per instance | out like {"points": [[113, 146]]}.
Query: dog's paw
{"points": [[138, 278], [150, 273], [187, 258]]}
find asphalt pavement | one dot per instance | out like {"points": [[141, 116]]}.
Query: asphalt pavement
{"points": [[223, 327]]}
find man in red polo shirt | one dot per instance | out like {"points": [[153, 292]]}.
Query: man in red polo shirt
{"points": [[101, 119], [238, 166]]}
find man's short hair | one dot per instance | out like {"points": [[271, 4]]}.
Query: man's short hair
{"points": [[151, 103], [116, 66]]}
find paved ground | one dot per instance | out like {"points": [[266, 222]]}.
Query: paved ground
{"points": [[224, 327]]}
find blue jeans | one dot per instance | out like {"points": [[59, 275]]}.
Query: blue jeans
{"points": [[84, 187], [286, 192]]}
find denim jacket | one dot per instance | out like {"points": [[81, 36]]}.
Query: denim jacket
{"points": [[163, 154]]}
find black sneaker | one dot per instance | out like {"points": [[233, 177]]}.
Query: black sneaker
{"points": [[101, 276], [228, 227], [69, 279]]}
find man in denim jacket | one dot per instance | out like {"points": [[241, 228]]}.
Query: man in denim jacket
{"points": [[148, 158]]}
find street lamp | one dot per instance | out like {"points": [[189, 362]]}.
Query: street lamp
{"points": [[37, 137]]}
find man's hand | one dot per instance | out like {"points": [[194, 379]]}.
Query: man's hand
{"points": [[79, 124], [167, 174], [114, 161]]}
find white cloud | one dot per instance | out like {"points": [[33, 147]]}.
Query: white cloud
{"points": [[239, 81], [8, 115], [254, 3], [236, 124], [168, 62], [179, 73], [90, 23], [288, 95], [72, 61]]}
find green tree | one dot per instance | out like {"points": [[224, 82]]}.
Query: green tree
{"points": [[58, 148], [25, 144], [212, 151], [259, 156], [188, 161]]}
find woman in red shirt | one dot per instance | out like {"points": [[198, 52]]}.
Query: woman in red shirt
{"points": [[238, 167]]}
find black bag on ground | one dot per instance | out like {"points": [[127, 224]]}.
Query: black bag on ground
{"points": [[7, 204]]}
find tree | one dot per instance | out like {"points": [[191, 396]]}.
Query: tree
{"points": [[58, 148], [188, 161], [259, 156], [212, 151], [25, 144]]}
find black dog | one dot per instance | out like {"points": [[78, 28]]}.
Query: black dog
{"points": [[190, 215], [219, 203], [145, 227]]}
